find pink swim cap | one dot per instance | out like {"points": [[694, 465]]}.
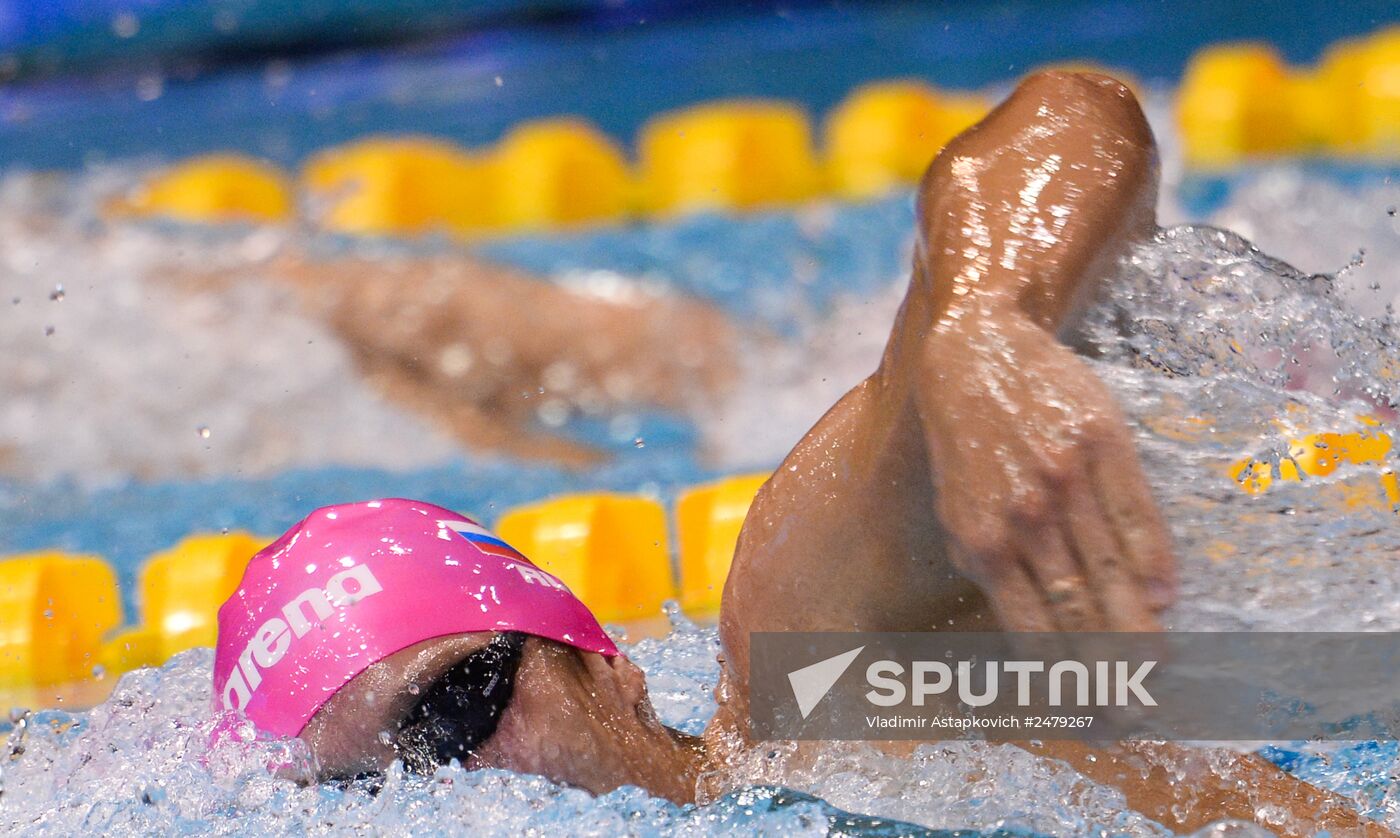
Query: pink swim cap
{"points": [[352, 584]]}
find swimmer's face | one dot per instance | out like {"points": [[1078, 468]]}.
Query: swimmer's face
{"points": [[575, 717]]}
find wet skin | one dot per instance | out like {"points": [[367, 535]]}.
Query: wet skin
{"points": [[981, 478]]}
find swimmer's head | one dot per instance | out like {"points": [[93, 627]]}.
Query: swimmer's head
{"points": [[397, 629]]}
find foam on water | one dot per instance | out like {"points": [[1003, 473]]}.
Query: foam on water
{"points": [[143, 763], [1217, 352], [115, 368], [1319, 224]]}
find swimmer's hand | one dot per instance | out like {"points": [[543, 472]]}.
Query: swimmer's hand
{"points": [[1038, 483]]}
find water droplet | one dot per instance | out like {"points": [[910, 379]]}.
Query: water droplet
{"points": [[125, 25], [385, 738], [203, 431], [150, 87], [414, 689], [48, 613], [14, 301], [553, 413], [99, 672], [48, 331], [57, 295], [639, 443], [500, 82], [1390, 211]]}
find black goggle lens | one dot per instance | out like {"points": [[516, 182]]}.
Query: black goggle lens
{"points": [[462, 708]]}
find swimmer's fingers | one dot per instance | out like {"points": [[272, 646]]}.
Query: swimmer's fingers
{"points": [[1120, 594], [1061, 581], [1016, 599], [1141, 530]]}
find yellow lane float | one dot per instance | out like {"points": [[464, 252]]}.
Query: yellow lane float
{"points": [[1233, 103], [402, 186], [883, 135], [1363, 75], [561, 173], [708, 520], [180, 590], [1315, 110], [1239, 100], [132, 648], [611, 550], [54, 610], [737, 155], [1319, 455], [213, 189]]}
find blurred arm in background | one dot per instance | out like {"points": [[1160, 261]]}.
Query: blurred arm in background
{"points": [[478, 348]]}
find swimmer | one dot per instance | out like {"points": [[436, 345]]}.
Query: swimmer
{"points": [[981, 478]]}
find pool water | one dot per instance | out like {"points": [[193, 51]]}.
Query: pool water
{"points": [[141, 764], [1215, 351]]}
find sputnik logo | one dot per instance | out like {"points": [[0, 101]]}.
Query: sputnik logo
{"points": [[810, 684]]}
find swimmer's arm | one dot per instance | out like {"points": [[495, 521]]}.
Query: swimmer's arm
{"points": [[479, 349], [983, 463], [1036, 478], [1186, 788]]}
